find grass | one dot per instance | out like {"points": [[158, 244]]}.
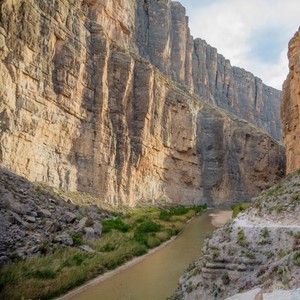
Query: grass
{"points": [[123, 238], [237, 208]]}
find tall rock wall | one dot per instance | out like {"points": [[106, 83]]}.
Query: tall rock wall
{"points": [[164, 37], [82, 107], [158, 31], [290, 106]]}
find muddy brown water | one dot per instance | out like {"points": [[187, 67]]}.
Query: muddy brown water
{"points": [[156, 276]]}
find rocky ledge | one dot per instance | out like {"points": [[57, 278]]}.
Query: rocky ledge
{"points": [[34, 220], [258, 249]]}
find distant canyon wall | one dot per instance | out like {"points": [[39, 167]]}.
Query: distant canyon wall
{"points": [[158, 31], [290, 106], [86, 104]]}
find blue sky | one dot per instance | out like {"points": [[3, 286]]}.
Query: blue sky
{"points": [[253, 34]]}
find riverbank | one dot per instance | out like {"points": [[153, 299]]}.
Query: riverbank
{"points": [[123, 238], [218, 219]]}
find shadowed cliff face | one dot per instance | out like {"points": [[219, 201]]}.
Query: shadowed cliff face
{"points": [[290, 106], [83, 108]]}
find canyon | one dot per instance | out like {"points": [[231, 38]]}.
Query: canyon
{"points": [[116, 98], [112, 104], [256, 255]]}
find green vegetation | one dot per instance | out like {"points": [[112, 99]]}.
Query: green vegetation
{"points": [[117, 224], [41, 274], [248, 254], [123, 238], [237, 208], [241, 238], [268, 254], [296, 258], [225, 278], [77, 238]]}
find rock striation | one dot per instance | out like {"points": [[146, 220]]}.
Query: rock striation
{"points": [[168, 44], [290, 106], [115, 98]]}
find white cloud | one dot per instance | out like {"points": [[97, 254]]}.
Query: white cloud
{"points": [[232, 26]]}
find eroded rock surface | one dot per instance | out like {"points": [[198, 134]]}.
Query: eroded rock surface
{"points": [[36, 221], [290, 106], [87, 103], [258, 249]]}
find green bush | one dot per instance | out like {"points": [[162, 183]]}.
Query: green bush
{"points": [[296, 258], [237, 208], [77, 238], [148, 227], [76, 260], [116, 224], [108, 247], [141, 233], [140, 250], [153, 242], [241, 238], [42, 274], [265, 233]]}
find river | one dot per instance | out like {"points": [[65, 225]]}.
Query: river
{"points": [[156, 276]]}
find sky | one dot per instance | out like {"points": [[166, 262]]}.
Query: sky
{"points": [[253, 34]]}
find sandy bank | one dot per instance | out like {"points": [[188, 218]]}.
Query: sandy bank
{"points": [[219, 219]]}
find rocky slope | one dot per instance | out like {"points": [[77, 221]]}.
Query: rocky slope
{"points": [[290, 106], [35, 220], [87, 103], [260, 248]]}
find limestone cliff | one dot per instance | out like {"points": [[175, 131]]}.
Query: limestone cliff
{"points": [[82, 107], [290, 106], [158, 31]]}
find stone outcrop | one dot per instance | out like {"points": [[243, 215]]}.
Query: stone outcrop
{"points": [[36, 220], [258, 249], [102, 97], [290, 106]]}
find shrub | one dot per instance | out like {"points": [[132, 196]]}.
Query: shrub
{"points": [[241, 238], [142, 231], [265, 233], [237, 208], [116, 224], [248, 254], [225, 278], [281, 253], [77, 238], [153, 242], [295, 197], [42, 274], [148, 227], [108, 247], [76, 260], [140, 250], [296, 258]]}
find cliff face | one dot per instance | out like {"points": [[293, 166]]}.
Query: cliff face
{"points": [[83, 108], [158, 31], [290, 106], [197, 66]]}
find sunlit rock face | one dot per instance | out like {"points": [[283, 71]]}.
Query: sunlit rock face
{"points": [[116, 98], [290, 106]]}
